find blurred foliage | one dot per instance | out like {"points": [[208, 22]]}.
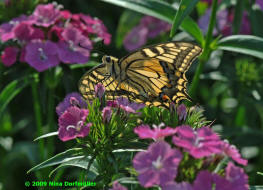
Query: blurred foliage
{"points": [[230, 91]]}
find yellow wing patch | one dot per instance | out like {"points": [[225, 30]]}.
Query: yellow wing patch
{"points": [[154, 75]]}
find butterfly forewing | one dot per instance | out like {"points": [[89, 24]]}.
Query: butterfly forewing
{"points": [[154, 75]]}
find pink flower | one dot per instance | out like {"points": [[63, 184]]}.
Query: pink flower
{"points": [[106, 114], [158, 165], [71, 124], [46, 15], [144, 131], [181, 112], [129, 107], [135, 38], [117, 186], [177, 186], [155, 26], [232, 152], [199, 143], [72, 99], [9, 55], [99, 90]]}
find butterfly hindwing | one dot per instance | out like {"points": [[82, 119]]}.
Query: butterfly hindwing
{"points": [[154, 75]]}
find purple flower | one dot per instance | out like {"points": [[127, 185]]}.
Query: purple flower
{"points": [[260, 3], [155, 26], [117, 186], [237, 177], [75, 48], [232, 152], [199, 143], [106, 114], [181, 112], [9, 55], [135, 38], [158, 165], [99, 90], [71, 124], [204, 181], [72, 99], [128, 107], [144, 131], [177, 186], [46, 15], [41, 55]]}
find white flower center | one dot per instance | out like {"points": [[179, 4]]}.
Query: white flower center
{"points": [[157, 164], [77, 127], [43, 56], [72, 46]]}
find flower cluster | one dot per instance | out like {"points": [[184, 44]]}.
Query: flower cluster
{"points": [[73, 112], [149, 27], [50, 36], [160, 163], [225, 19]]}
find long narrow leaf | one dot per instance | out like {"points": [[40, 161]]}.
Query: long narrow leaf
{"points": [[185, 8], [46, 135], [246, 44], [161, 10], [63, 157], [11, 90]]}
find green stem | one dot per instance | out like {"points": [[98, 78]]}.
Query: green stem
{"points": [[206, 52], [50, 120], [37, 111]]}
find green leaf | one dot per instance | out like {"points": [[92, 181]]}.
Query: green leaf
{"points": [[256, 16], [185, 8], [89, 64], [127, 21], [63, 157], [79, 162], [239, 8], [11, 90], [161, 10], [246, 44], [256, 188], [46, 135]]}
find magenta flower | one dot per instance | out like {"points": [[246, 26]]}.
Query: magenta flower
{"points": [[158, 165], [96, 26], [199, 143], [177, 186], [41, 55], [25, 32], [135, 38], [9, 55], [127, 106], [144, 131], [71, 124], [181, 112], [72, 99], [155, 26], [46, 15], [106, 114], [117, 186], [112, 103], [75, 48], [99, 90], [232, 152], [6, 29]]}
